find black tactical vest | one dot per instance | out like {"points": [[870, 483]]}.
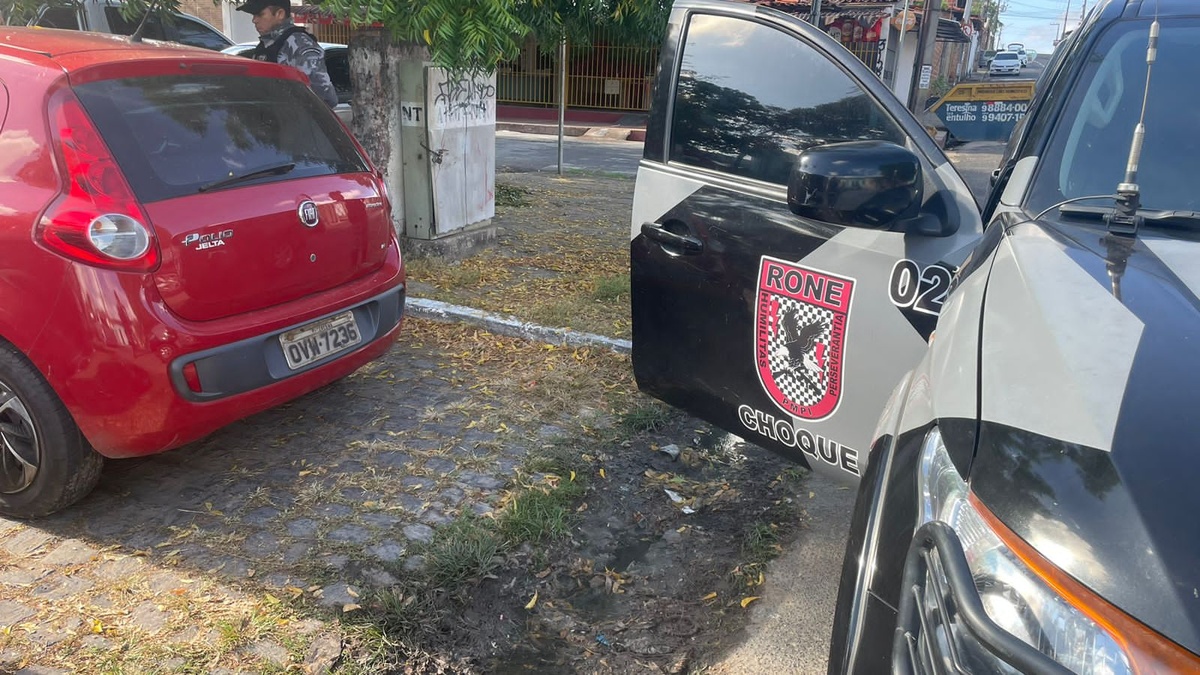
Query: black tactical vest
{"points": [[271, 53]]}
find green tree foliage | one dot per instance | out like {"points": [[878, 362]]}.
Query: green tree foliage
{"points": [[460, 34], [478, 34]]}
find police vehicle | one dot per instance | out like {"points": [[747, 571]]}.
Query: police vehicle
{"points": [[1011, 384]]}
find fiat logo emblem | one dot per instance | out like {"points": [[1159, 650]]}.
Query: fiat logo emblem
{"points": [[308, 213]]}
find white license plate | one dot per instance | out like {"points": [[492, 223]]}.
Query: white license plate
{"points": [[303, 345]]}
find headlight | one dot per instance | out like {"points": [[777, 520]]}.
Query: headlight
{"points": [[1016, 590]]}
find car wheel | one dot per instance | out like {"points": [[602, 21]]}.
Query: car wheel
{"points": [[45, 463]]}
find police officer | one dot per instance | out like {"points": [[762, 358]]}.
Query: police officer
{"points": [[282, 41]]}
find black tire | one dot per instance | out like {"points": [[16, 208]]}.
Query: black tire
{"points": [[37, 431]]}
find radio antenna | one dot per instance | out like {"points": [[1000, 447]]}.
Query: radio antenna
{"points": [[1125, 220]]}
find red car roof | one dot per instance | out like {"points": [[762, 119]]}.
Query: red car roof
{"points": [[53, 42], [73, 51]]}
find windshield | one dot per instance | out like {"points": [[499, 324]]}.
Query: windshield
{"points": [[1006, 57], [1090, 146]]}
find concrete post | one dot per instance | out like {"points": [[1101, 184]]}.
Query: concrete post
{"points": [[433, 136], [923, 66]]}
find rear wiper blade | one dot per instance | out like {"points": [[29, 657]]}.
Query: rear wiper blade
{"points": [[1151, 217], [276, 170]]}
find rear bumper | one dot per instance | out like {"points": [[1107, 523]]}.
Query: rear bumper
{"points": [[259, 362], [114, 354], [942, 626]]}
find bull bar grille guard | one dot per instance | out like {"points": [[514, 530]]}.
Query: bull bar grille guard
{"points": [[936, 562]]}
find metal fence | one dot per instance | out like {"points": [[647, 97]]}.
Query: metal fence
{"points": [[604, 76], [336, 32]]}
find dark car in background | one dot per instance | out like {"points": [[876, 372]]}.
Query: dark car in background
{"points": [[800, 248]]}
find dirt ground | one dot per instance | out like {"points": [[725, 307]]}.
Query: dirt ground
{"points": [[644, 583]]}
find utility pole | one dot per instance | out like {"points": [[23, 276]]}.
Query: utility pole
{"points": [[814, 16], [1066, 17], [923, 65]]}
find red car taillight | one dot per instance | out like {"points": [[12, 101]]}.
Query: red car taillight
{"points": [[96, 220]]}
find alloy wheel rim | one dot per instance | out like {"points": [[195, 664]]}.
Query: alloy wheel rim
{"points": [[20, 450]]}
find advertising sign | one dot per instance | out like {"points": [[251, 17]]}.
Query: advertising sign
{"points": [[984, 111]]}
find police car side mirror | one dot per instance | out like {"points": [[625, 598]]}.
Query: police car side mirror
{"points": [[872, 184]]}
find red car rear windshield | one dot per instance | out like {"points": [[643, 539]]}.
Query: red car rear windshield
{"points": [[174, 136]]}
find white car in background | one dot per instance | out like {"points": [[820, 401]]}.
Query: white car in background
{"points": [[1019, 48], [1005, 63], [105, 16]]}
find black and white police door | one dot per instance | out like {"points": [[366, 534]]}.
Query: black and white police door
{"points": [[787, 331]]}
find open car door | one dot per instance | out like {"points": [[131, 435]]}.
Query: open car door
{"points": [[794, 233]]}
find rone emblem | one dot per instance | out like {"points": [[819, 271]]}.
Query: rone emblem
{"points": [[800, 336]]}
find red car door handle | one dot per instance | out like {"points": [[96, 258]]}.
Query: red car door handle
{"points": [[678, 243]]}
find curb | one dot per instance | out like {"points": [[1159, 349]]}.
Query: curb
{"points": [[504, 324], [606, 133]]}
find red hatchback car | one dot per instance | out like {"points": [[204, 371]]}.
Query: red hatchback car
{"points": [[186, 238]]}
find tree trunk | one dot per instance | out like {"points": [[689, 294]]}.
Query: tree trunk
{"points": [[375, 74]]}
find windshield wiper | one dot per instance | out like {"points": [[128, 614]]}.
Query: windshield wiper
{"points": [[276, 170], [1150, 217]]}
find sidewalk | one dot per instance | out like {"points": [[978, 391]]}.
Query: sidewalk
{"points": [[613, 125]]}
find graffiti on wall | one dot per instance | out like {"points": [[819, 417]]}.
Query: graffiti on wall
{"points": [[463, 101]]}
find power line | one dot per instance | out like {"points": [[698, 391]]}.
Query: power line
{"points": [[1059, 5]]}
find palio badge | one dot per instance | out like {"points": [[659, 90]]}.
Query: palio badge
{"points": [[800, 339]]}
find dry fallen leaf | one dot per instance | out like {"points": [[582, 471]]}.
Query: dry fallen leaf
{"points": [[350, 607], [747, 600], [533, 601], [602, 475], [710, 596]]}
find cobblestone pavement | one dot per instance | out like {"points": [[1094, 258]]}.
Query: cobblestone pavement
{"points": [[195, 553]]}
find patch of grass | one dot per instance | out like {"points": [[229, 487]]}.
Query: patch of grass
{"points": [[466, 549], [648, 416], [407, 612], [557, 313], [761, 543], [511, 195], [597, 173], [611, 288], [541, 513], [794, 474], [559, 458]]}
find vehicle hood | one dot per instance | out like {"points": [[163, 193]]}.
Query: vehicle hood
{"points": [[1089, 419]]}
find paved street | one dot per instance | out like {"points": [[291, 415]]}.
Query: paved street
{"points": [[531, 152]]}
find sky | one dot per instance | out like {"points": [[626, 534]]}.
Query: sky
{"points": [[1036, 23]]}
